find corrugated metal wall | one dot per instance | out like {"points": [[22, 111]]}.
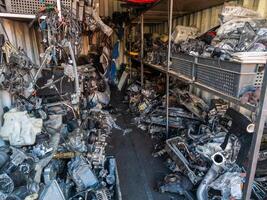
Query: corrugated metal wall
{"points": [[208, 18], [21, 36], [107, 7]]}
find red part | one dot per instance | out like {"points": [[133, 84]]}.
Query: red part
{"points": [[212, 33]]}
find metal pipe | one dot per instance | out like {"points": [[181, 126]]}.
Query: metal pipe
{"points": [[43, 64], [168, 67], [130, 48], [142, 50], [5, 99], [75, 70], [217, 166], [256, 140], [59, 9], [251, 128]]}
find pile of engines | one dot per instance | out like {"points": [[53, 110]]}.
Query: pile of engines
{"points": [[149, 106], [75, 169], [155, 48], [209, 162], [206, 148], [53, 133]]}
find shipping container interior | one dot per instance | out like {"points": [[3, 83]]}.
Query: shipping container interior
{"points": [[133, 99]]}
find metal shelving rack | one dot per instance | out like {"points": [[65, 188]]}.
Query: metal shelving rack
{"points": [[173, 73], [260, 111]]}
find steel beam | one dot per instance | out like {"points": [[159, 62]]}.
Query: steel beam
{"points": [[256, 140], [130, 46], [168, 66], [142, 50], [59, 9], [19, 16]]}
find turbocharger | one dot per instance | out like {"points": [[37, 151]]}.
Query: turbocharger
{"points": [[215, 170]]}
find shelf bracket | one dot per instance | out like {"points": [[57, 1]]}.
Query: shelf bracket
{"points": [[142, 49]]}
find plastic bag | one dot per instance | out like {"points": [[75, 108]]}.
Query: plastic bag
{"points": [[183, 33], [235, 12]]}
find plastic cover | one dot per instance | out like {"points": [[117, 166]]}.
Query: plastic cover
{"points": [[237, 12], [20, 129], [183, 33]]}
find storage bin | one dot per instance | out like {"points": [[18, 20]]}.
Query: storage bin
{"points": [[224, 76], [227, 77], [30, 6], [183, 64]]}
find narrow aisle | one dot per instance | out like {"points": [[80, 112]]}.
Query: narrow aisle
{"points": [[139, 172]]}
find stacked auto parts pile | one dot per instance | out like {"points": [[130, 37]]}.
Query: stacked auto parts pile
{"points": [[53, 133], [149, 106], [208, 161], [155, 48], [156, 52], [240, 40], [206, 149], [241, 30], [142, 101]]}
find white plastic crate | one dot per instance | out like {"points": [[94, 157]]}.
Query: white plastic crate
{"points": [[30, 6]]}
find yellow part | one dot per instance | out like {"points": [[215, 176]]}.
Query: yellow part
{"points": [[132, 53], [65, 155], [164, 38]]}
